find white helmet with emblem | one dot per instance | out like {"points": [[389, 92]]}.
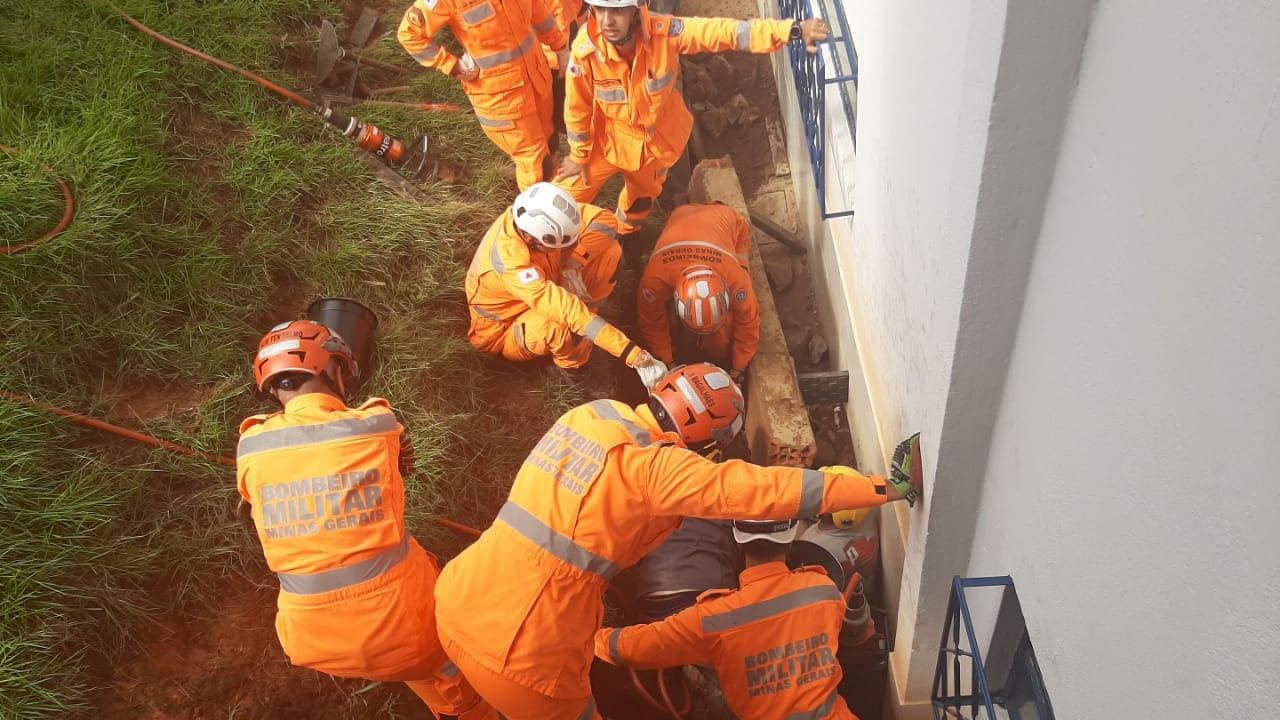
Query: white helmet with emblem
{"points": [[615, 3], [549, 214]]}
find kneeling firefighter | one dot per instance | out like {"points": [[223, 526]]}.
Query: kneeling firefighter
{"points": [[326, 486], [772, 642], [608, 483], [537, 279]]}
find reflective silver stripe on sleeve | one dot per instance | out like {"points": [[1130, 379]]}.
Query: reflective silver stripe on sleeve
{"points": [[594, 326], [603, 229], [343, 577], [611, 94], [773, 606], [427, 54], [555, 543], [614, 655], [660, 83], [496, 123], [486, 314], [495, 258], [487, 62], [744, 35], [577, 136], [449, 670], [811, 491], [483, 11], [546, 25], [589, 710], [820, 712], [519, 332], [313, 434], [606, 410]]}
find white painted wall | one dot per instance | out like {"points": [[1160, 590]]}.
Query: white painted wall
{"points": [[1131, 490]]}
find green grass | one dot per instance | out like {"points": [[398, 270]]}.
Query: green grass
{"points": [[208, 209]]}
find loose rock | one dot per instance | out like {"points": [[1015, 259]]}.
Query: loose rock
{"points": [[818, 349], [781, 271], [714, 121], [721, 72]]}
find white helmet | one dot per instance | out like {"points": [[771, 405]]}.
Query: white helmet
{"points": [[615, 3], [774, 531], [549, 214]]}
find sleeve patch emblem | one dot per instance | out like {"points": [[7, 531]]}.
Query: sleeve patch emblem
{"points": [[648, 295], [677, 27], [740, 296], [528, 275]]}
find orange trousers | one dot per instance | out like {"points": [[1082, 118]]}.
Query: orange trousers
{"points": [[640, 187], [448, 694], [515, 701], [526, 139], [532, 335]]}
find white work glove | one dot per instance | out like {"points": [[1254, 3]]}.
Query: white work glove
{"points": [[571, 280], [466, 69], [650, 369]]}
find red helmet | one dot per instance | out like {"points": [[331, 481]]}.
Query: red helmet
{"points": [[701, 403], [299, 346], [702, 299]]}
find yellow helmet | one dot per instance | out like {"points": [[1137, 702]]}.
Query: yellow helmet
{"points": [[846, 518]]}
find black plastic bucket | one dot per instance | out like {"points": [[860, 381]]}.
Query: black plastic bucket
{"points": [[353, 322]]}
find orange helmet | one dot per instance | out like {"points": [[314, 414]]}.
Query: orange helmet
{"points": [[702, 299], [299, 346], [701, 403]]}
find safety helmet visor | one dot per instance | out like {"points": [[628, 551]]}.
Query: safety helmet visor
{"points": [[774, 531]]}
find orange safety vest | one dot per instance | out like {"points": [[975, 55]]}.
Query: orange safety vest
{"points": [[772, 642], [499, 36], [632, 107], [601, 489], [506, 279], [328, 502], [711, 235]]}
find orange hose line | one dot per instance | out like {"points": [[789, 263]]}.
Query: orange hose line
{"points": [[118, 430], [278, 89], [68, 210]]}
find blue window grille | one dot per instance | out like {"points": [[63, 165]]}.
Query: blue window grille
{"points": [[836, 65], [962, 684]]}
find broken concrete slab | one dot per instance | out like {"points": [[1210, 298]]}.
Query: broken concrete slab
{"points": [[715, 121], [781, 271], [778, 429]]}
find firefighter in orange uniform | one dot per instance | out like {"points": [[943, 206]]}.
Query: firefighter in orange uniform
{"points": [[772, 642], [503, 71], [605, 485], [699, 269], [325, 484], [622, 110], [537, 279]]}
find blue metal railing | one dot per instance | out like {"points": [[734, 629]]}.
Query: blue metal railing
{"points": [[1021, 692], [811, 79]]}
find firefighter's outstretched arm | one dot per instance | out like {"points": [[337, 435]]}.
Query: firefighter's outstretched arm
{"points": [[419, 26], [680, 482], [652, 317], [746, 327], [676, 640], [699, 35]]}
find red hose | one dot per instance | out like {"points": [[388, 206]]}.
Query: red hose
{"points": [[278, 89], [68, 211]]}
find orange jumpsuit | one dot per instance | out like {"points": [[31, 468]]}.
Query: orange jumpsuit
{"points": [[512, 95], [356, 589], [626, 115], [772, 643], [519, 309], [715, 236], [604, 486]]}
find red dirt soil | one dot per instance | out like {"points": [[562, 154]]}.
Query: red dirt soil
{"points": [[230, 665]]}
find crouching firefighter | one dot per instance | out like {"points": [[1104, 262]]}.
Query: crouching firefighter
{"points": [[772, 642], [542, 270], [623, 112], [326, 486], [518, 610]]}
